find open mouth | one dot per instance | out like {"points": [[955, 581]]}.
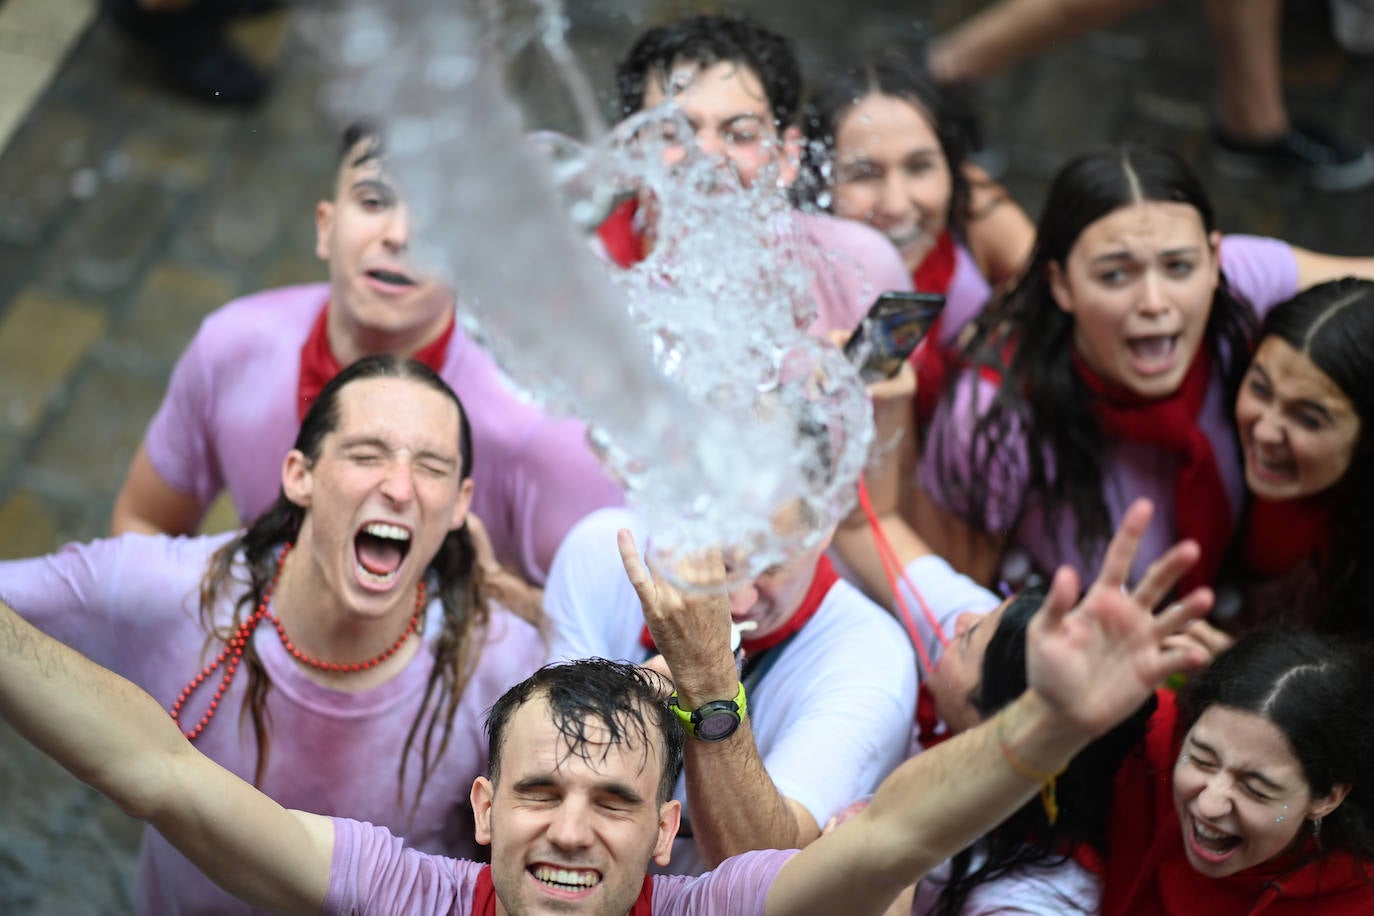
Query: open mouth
{"points": [[904, 237], [390, 277], [379, 550], [1154, 353], [1211, 845], [571, 881], [1269, 468]]}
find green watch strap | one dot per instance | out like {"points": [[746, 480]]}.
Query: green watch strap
{"points": [[686, 716]]}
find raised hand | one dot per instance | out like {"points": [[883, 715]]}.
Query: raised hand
{"points": [[1099, 660]]}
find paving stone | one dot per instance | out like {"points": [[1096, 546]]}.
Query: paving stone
{"points": [[173, 145], [42, 337], [105, 246], [38, 170], [94, 439], [222, 516], [258, 197], [168, 309], [27, 527], [9, 450]]}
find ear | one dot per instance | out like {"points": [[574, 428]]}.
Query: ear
{"points": [[669, 819], [481, 796], [324, 229], [297, 481], [790, 156], [460, 508], [1329, 802], [1059, 286]]}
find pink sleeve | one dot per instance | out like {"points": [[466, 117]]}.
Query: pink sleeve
{"points": [[738, 885], [178, 439], [946, 470], [1261, 271], [372, 872]]}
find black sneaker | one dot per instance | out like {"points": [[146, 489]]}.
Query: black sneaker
{"points": [[1317, 157]]}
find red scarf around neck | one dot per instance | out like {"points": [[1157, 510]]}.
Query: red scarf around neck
{"points": [[934, 363], [484, 896], [319, 365], [623, 243], [1202, 510], [1281, 534], [821, 583]]}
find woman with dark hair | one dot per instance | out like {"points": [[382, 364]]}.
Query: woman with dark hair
{"points": [[1303, 416], [340, 652], [1256, 791], [888, 147], [1108, 374]]}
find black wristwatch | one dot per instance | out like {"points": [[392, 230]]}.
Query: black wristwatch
{"points": [[713, 721]]}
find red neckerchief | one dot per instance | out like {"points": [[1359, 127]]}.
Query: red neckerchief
{"points": [[821, 584], [933, 363], [1201, 509], [930, 731], [623, 244], [1148, 871], [318, 364], [484, 896], [1281, 534]]}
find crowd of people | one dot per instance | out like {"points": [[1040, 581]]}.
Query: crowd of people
{"points": [[1093, 642]]}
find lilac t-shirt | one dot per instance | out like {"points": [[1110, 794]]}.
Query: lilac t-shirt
{"points": [[1263, 272], [373, 872], [968, 292], [131, 604], [229, 418]]}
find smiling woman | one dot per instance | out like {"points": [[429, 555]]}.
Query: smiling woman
{"points": [[1254, 793]]}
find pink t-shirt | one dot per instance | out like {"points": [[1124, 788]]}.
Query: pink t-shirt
{"points": [[372, 872], [1263, 272], [229, 418], [131, 604], [852, 264]]}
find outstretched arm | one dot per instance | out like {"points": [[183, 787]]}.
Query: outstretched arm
{"points": [[1088, 666], [115, 737]]}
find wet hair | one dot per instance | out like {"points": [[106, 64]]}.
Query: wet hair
{"points": [[704, 41], [453, 573], [627, 700], [1027, 340], [889, 75], [359, 132], [1027, 839], [1319, 693], [1332, 324]]}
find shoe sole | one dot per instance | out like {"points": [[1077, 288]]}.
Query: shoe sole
{"points": [[1348, 177]]}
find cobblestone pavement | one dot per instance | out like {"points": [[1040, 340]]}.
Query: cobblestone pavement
{"points": [[125, 216]]}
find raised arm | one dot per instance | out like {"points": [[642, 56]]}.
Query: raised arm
{"points": [[733, 803], [116, 738], [1315, 267], [1088, 666]]}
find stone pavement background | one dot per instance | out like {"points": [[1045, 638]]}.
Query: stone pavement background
{"points": [[126, 216]]}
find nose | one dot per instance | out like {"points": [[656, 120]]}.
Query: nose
{"points": [[1152, 299], [893, 202], [570, 825], [1215, 798], [743, 598], [1268, 428], [396, 238], [399, 483], [965, 621]]}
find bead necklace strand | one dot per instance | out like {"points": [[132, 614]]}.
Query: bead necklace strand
{"points": [[232, 653]]}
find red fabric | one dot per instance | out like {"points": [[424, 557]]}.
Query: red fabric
{"points": [[821, 583], [1148, 871], [930, 731], [318, 364], [1202, 510], [934, 363], [1284, 533], [484, 896], [623, 244]]}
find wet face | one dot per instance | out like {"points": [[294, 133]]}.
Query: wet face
{"points": [[382, 495], [891, 173], [729, 113], [568, 834], [1139, 284], [364, 235], [1240, 793], [1298, 430], [960, 670]]}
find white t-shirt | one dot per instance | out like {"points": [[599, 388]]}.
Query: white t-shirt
{"points": [[1067, 889], [832, 714]]}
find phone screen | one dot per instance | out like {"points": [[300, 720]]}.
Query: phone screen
{"points": [[891, 330]]}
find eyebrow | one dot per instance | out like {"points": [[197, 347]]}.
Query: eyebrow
{"points": [[1244, 774], [546, 781], [379, 442], [1130, 256], [1303, 403]]}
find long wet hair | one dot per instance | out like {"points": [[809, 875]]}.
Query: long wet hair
{"points": [[1027, 340], [456, 578], [1027, 839], [891, 75], [1319, 693], [1332, 324]]}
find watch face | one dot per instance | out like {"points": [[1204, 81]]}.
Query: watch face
{"points": [[717, 725]]}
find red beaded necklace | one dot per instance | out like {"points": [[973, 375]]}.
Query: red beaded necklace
{"points": [[232, 653]]}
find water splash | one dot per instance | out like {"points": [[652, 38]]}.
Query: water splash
{"points": [[725, 422]]}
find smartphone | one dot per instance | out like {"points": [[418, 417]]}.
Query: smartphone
{"points": [[889, 332]]}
